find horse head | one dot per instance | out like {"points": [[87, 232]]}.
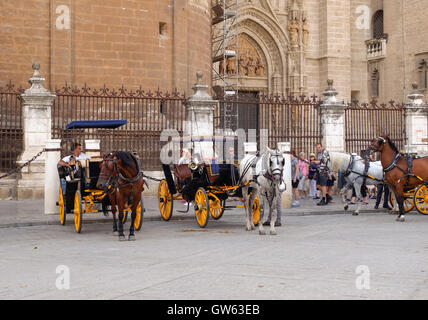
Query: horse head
{"points": [[109, 169], [276, 164], [377, 144]]}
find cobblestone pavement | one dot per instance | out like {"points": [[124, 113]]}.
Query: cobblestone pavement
{"points": [[314, 256]]}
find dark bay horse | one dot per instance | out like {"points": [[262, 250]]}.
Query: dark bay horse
{"points": [[396, 169], [121, 171]]}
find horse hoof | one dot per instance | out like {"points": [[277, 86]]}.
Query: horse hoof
{"points": [[262, 232], [131, 237], [355, 214], [400, 219], [121, 238], [273, 233]]}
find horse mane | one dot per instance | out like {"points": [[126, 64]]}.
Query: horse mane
{"points": [[128, 159], [392, 144]]}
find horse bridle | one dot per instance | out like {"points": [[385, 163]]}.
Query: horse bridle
{"points": [[119, 174], [276, 170]]}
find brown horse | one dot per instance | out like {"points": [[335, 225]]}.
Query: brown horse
{"points": [[121, 172], [396, 168]]}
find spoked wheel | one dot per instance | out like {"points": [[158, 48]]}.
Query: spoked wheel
{"points": [[201, 207], [78, 212], [256, 212], [216, 208], [138, 222], [408, 202], [61, 205], [421, 199], [166, 203]]}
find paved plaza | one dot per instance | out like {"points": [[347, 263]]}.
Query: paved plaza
{"points": [[316, 255]]}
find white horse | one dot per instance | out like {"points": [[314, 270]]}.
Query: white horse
{"points": [[263, 174], [352, 168]]}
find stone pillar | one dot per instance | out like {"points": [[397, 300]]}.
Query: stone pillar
{"points": [[36, 117], [416, 112], [92, 148], [250, 147], [287, 195], [53, 155], [332, 120], [200, 119]]}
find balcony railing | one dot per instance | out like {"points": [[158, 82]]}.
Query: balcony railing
{"points": [[376, 49]]}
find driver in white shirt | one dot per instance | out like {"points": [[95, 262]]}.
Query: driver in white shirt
{"points": [[70, 160]]}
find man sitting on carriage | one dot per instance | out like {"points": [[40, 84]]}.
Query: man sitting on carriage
{"points": [[69, 162]]}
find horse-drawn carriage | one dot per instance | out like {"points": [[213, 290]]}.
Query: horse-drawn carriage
{"points": [[206, 184], [78, 191]]}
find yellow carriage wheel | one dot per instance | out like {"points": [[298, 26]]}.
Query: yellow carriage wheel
{"points": [[216, 208], [138, 222], [201, 207], [62, 215], [408, 201], [256, 211], [165, 199], [78, 211], [421, 199]]}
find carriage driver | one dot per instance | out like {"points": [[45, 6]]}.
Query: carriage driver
{"points": [[70, 160]]}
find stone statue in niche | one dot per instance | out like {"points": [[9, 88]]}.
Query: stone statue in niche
{"points": [[250, 62], [305, 29], [293, 29]]}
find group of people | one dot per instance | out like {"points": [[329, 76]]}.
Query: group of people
{"points": [[321, 180]]}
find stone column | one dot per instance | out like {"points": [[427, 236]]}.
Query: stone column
{"points": [[53, 155], [200, 119], [332, 120], [36, 117], [287, 195], [416, 112]]}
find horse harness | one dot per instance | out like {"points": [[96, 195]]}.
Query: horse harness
{"points": [[407, 173], [364, 175]]}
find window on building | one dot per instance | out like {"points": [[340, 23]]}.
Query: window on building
{"points": [[374, 83], [378, 31], [423, 74], [162, 29]]}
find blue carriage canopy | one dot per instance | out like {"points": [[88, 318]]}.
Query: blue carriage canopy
{"points": [[95, 124]]}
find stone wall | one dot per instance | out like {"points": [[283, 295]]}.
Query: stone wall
{"points": [[108, 42]]}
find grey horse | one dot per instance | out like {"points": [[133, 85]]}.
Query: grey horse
{"points": [[263, 174], [352, 167]]}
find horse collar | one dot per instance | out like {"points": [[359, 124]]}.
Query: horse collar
{"points": [[393, 163]]}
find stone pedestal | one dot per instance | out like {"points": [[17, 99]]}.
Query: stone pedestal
{"points": [[53, 155], [36, 117], [199, 121], [416, 112], [287, 195], [332, 120]]}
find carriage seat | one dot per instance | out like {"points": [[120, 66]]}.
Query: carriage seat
{"points": [[182, 172]]}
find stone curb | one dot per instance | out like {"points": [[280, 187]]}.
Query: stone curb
{"points": [[190, 217]]}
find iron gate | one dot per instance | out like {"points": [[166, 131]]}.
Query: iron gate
{"points": [[147, 115], [366, 121], [11, 133], [285, 119]]}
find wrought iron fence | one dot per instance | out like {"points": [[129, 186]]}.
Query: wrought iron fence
{"points": [[147, 115], [11, 133], [365, 121], [285, 119]]}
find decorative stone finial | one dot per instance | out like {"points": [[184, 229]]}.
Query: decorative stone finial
{"points": [[201, 90], [416, 97], [199, 76], [330, 93], [36, 68], [36, 82]]}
